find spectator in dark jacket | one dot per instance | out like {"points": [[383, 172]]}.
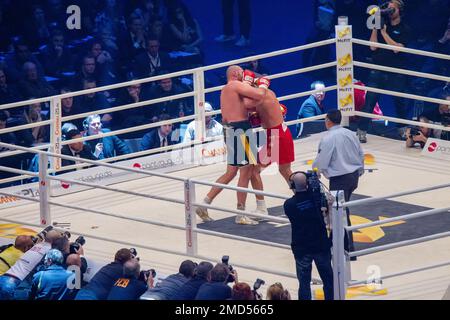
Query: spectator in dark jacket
{"points": [[68, 108], [56, 57], [87, 71], [9, 94], [102, 282], [160, 137], [149, 63], [132, 42], [33, 85], [76, 149], [176, 107], [93, 101], [216, 288], [15, 62], [169, 287], [131, 117], [106, 147], [189, 290]]}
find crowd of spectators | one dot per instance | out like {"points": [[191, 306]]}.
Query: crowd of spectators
{"points": [[47, 269], [118, 41]]}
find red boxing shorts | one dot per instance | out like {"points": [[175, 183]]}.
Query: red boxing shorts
{"points": [[279, 147]]}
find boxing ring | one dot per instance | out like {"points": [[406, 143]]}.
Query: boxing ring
{"points": [[153, 207]]}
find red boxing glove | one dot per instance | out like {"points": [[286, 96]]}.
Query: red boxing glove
{"points": [[263, 82], [248, 77], [254, 119], [283, 109]]}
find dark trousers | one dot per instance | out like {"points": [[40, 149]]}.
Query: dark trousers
{"points": [[348, 183], [387, 81], [303, 265], [244, 17]]}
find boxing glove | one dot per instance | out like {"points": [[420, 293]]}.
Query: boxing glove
{"points": [[248, 77], [254, 119], [283, 109], [263, 82]]}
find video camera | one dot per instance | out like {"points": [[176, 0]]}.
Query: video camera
{"points": [[315, 187], [258, 283], [225, 260]]}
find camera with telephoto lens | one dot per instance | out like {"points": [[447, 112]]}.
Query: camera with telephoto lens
{"points": [[41, 235], [75, 246], [413, 132], [225, 260], [145, 274], [258, 283]]}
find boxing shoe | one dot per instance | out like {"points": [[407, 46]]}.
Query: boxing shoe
{"points": [[224, 38], [241, 219], [263, 212], [202, 212], [242, 42], [361, 136]]}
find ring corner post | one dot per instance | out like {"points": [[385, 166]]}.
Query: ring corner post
{"points": [[44, 191], [191, 219], [344, 70], [339, 259]]}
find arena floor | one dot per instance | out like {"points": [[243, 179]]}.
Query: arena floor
{"points": [[399, 169]]}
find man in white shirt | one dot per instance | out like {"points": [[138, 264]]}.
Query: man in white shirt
{"points": [[25, 265], [340, 159], [213, 128]]}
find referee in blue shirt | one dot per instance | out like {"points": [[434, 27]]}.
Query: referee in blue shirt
{"points": [[340, 159]]}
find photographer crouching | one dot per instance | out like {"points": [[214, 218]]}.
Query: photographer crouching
{"points": [[310, 240], [418, 136]]}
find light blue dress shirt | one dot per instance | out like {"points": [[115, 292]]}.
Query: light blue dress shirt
{"points": [[340, 153]]}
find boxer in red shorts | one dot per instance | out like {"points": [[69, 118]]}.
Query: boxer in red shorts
{"points": [[280, 144]]}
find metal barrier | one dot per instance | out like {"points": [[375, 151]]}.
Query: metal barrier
{"points": [[199, 91]]}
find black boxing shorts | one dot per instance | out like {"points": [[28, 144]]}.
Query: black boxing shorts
{"points": [[241, 144]]}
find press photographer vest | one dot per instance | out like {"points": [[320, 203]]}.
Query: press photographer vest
{"points": [[8, 257]]}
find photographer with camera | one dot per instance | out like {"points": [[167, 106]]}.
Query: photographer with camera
{"points": [[131, 286], [419, 135], [310, 241], [67, 248], [9, 254], [217, 288], [189, 290], [51, 282], [393, 32], [26, 265], [277, 292], [242, 291], [102, 282], [169, 287]]}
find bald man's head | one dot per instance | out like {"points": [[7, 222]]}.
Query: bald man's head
{"points": [[73, 260], [234, 73], [300, 182], [52, 235], [23, 243]]}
